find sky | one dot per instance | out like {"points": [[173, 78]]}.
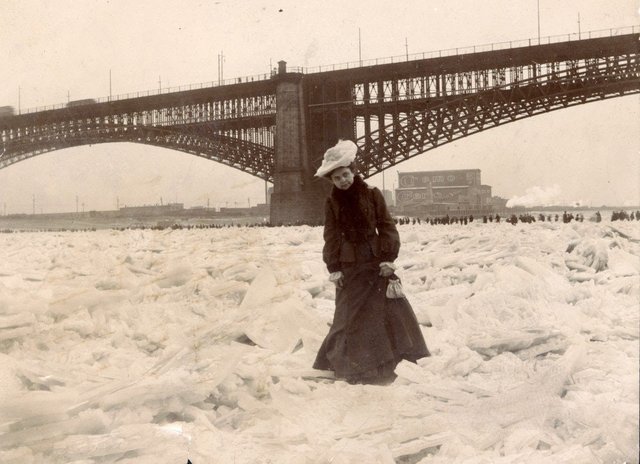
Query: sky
{"points": [[53, 51]]}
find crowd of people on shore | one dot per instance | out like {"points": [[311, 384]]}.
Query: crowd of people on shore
{"points": [[526, 218], [624, 216], [140, 227], [402, 220]]}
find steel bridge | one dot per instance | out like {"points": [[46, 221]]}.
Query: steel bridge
{"points": [[277, 127]]}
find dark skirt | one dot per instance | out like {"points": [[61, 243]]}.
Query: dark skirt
{"points": [[370, 333]]}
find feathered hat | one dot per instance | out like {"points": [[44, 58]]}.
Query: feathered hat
{"points": [[341, 155]]}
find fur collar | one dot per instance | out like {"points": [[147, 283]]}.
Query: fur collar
{"points": [[352, 193]]}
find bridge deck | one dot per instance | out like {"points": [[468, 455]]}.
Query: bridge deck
{"points": [[464, 62]]}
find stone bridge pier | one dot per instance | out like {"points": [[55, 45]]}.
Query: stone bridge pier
{"points": [[304, 131]]}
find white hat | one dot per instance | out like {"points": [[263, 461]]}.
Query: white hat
{"points": [[341, 155]]}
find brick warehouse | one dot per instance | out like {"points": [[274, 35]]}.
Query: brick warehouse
{"points": [[445, 192]]}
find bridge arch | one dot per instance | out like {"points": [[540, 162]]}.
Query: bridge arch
{"points": [[248, 157], [423, 129]]}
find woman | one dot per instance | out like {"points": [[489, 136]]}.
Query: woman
{"points": [[370, 333]]}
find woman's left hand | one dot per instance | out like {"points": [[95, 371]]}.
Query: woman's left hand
{"points": [[386, 269]]}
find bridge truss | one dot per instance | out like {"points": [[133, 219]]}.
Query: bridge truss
{"points": [[393, 111], [421, 120], [236, 130]]}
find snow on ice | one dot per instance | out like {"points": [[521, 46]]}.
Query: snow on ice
{"points": [[145, 346]]}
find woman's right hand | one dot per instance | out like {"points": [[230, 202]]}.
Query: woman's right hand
{"points": [[387, 268], [337, 278]]}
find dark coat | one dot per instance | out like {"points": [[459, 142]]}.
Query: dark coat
{"points": [[382, 234], [370, 333]]}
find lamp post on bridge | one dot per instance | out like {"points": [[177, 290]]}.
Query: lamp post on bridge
{"points": [[220, 67], [579, 31], [359, 47], [538, 22]]}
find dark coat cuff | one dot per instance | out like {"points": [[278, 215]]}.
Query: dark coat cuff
{"points": [[387, 257], [334, 267]]}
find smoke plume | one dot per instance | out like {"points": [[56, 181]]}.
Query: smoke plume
{"points": [[537, 196]]}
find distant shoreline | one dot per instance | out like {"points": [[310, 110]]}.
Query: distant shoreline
{"points": [[93, 221], [229, 214], [74, 222]]}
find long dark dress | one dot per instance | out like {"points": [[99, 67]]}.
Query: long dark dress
{"points": [[370, 333]]}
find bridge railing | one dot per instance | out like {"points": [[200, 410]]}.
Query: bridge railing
{"points": [[160, 91], [475, 49]]}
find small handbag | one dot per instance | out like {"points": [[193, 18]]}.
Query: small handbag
{"points": [[394, 289]]}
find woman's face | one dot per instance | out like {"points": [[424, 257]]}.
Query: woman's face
{"points": [[342, 178]]}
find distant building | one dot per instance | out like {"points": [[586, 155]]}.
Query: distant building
{"points": [[153, 210], [443, 192], [261, 209], [498, 203]]}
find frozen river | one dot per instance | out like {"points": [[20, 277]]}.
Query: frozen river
{"points": [[143, 346]]}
